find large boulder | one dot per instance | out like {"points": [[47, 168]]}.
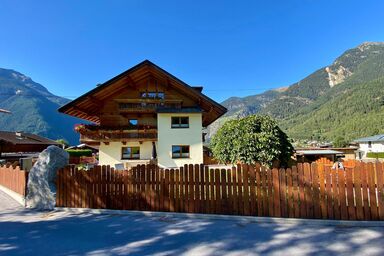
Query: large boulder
{"points": [[41, 180]]}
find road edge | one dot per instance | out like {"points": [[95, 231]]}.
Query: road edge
{"points": [[15, 196], [252, 219]]}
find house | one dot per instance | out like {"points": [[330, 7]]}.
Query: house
{"points": [[313, 154], [145, 115], [95, 149], [16, 145], [83, 154], [374, 144]]}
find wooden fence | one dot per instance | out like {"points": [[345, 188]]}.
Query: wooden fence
{"points": [[348, 163], [306, 191], [14, 179]]}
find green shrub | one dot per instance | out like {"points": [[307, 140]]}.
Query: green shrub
{"points": [[79, 152], [375, 154], [256, 138]]}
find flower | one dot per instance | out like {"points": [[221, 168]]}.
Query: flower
{"points": [[79, 127]]}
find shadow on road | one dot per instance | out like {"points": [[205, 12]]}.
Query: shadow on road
{"points": [[47, 233]]}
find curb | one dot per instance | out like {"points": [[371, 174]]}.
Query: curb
{"points": [[251, 219], [15, 196]]}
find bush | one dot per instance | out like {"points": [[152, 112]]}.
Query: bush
{"points": [[79, 152], [256, 138], [375, 154]]}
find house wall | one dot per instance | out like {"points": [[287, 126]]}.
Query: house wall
{"points": [[111, 154], [349, 155], [191, 136], [375, 147]]}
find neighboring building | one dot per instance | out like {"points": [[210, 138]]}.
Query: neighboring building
{"points": [[370, 144], [15, 145], [95, 149], [313, 154], [145, 114]]}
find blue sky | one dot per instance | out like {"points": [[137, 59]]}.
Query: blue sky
{"points": [[232, 48]]}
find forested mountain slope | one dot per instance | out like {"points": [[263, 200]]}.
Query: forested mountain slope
{"points": [[33, 107], [340, 100]]}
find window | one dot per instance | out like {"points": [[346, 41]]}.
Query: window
{"points": [[132, 122], [152, 95], [180, 122], [369, 144], [179, 151], [130, 153]]}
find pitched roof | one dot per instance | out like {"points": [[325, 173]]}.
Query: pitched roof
{"points": [[318, 152], [82, 107], [25, 138], [375, 138]]}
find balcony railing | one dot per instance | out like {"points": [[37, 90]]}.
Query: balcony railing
{"points": [[146, 105], [94, 133]]}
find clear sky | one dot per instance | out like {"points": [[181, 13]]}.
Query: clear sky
{"points": [[232, 48]]}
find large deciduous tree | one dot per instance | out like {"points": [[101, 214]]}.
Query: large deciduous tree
{"points": [[256, 138]]}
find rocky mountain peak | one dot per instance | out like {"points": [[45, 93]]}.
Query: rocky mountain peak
{"points": [[367, 45]]}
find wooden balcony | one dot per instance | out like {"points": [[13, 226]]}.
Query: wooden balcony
{"points": [[146, 105], [92, 134]]}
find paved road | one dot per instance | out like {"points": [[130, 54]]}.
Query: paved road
{"points": [[7, 203], [25, 232]]}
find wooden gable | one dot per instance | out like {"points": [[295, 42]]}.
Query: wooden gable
{"points": [[100, 103]]}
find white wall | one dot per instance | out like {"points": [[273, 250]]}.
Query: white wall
{"points": [[191, 136], [375, 147], [111, 154]]}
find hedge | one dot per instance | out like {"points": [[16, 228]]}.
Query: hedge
{"points": [[375, 154], [79, 152]]}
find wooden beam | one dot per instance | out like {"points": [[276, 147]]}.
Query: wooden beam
{"points": [[87, 113], [167, 85], [95, 101], [207, 113], [131, 83]]}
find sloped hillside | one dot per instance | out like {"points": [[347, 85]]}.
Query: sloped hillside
{"points": [[33, 107], [327, 104]]}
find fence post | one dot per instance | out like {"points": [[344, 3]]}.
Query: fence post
{"points": [[276, 193]]}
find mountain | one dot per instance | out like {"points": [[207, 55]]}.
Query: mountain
{"points": [[34, 108], [344, 99]]}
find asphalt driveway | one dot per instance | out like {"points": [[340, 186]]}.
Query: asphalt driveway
{"points": [[24, 232]]}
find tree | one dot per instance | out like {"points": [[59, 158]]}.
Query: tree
{"points": [[340, 142], [255, 138]]}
